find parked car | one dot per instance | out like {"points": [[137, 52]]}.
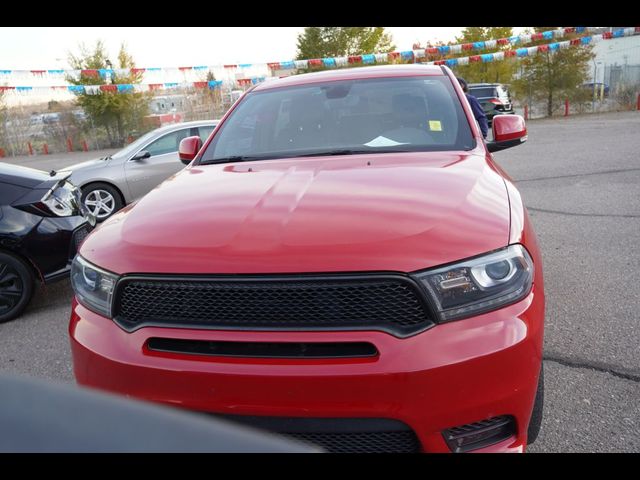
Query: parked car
{"points": [[342, 261], [110, 183], [41, 225], [494, 98]]}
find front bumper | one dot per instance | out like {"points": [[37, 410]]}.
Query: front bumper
{"points": [[453, 374]]}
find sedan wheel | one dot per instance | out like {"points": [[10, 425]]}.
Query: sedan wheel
{"points": [[102, 201], [16, 287]]}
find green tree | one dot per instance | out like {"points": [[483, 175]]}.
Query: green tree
{"points": [[551, 76], [322, 42], [489, 72], [119, 114]]}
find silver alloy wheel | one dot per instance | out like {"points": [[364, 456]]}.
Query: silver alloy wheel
{"points": [[100, 202]]}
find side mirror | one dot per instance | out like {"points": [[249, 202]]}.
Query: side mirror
{"points": [[141, 155], [508, 131], [189, 148]]}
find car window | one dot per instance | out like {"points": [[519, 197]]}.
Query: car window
{"points": [[483, 92], [168, 143], [365, 115], [203, 132]]}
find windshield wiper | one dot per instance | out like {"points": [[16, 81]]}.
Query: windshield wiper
{"points": [[350, 151], [233, 158]]}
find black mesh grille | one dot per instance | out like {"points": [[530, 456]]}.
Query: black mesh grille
{"points": [[339, 435], [78, 237], [369, 442], [390, 303]]}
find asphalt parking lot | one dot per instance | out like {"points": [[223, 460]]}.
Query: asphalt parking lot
{"points": [[580, 178]]}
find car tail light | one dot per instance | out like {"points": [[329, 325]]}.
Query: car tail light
{"points": [[473, 436], [495, 101]]}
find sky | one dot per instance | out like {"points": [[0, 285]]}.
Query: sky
{"points": [[35, 48]]}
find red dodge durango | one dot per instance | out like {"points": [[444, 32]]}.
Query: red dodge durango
{"points": [[341, 262]]}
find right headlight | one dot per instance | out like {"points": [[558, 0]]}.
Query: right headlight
{"points": [[93, 286], [480, 284]]}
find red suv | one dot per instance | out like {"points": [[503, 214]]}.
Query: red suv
{"points": [[342, 262]]}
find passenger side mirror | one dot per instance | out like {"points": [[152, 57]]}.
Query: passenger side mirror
{"points": [[189, 148], [141, 155], [508, 131]]}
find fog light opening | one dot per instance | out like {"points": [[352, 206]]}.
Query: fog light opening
{"points": [[473, 436]]}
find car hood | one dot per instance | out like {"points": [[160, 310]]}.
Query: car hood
{"points": [[94, 163], [29, 177], [386, 212]]}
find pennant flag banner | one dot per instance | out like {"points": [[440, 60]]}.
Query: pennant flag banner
{"points": [[331, 62], [328, 62]]}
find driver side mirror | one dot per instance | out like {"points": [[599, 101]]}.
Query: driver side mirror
{"points": [[189, 148], [141, 155], [508, 131]]}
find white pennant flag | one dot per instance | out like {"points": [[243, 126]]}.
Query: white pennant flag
{"points": [[463, 61], [490, 44], [382, 58], [456, 48]]}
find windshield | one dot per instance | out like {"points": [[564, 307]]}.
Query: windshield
{"points": [[135, 146], [341, 117], [483, 92]]}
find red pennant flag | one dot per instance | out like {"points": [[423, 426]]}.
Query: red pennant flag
{"points": [[109, 88], [4, 89], [155, 86], [184, 69], [38, 72], [467, 46], [355, 58], [201, 84], [607, 35], [503, 41], [89, 73], [394, 54], [439, 62], [231, 66], [575, 41], [543, 48], [475, 58], [510, 53], [135, 71], [569, 30], [432, 50], [244, 81], [313, 61], [536, 36], [276, 65]]}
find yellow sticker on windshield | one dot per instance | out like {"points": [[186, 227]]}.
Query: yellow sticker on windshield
{"points": [[435, 125]]}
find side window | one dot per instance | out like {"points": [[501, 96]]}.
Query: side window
{"points": [[167, 144], [204, 132]]}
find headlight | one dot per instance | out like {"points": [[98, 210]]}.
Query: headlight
{"points": [[93, 286], [480, 284], [62, 200]]}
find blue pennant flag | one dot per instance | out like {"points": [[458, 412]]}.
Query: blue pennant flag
{"points": [[171, 84], [24, 89], [452, 62], [5, 72], [487, 57], [154, 69], [287, 65], [618, 33], [407, 54], [104, 71], [370, 58], [76, 88], [478, 45], [214, 84], [201, 67], [444, 49], [329, 62], [585, 40], [522, 52], [125, 87], [554, 46], [514, 39], [580, 29], [55, 72], [547, 35]]}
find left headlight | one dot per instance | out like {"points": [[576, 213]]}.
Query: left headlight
{"points": [[93, 286], [480, 284]]}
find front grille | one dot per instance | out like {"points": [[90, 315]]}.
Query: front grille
{"points": [[370, 442], [340, 435], [78, 237], [390, 303]]}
